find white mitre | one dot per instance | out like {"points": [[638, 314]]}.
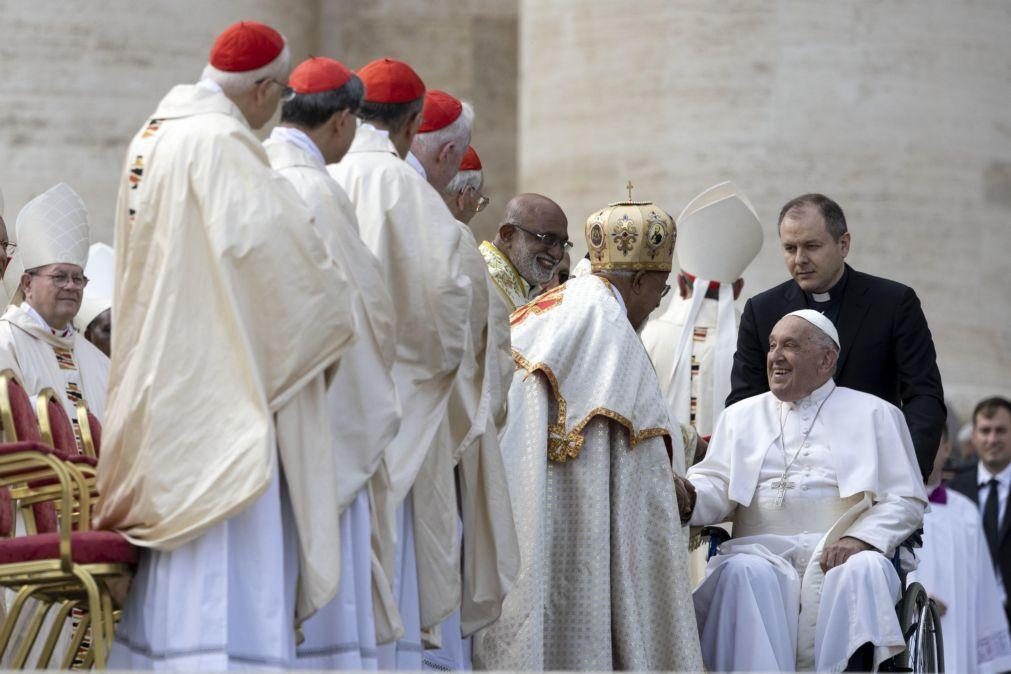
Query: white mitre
{"points": [[98, 293], [719, 234], [818, 320], [53, 228]]}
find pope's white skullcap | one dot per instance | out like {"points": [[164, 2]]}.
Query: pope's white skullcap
{"points": [[819, 321]]}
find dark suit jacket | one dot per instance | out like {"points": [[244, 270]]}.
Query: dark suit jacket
{"points": [[886, 350], [965, 483]]}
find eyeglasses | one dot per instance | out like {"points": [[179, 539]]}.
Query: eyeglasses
{"points": [[549, 240], [64, 280], [287, 93], [482, 203], [663, 293], [9, 247]]}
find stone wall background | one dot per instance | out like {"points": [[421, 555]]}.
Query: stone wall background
{"points": [[896, 109]]}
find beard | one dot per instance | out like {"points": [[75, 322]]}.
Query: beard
{"points": [[528, 264]]}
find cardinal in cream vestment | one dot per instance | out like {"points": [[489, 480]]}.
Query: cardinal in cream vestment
{"points": [[591, 455], [228, 307]]}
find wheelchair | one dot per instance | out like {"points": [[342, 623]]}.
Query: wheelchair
{"points": [[917, 612]]}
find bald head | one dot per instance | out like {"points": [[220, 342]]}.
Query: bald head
{"points": [[534, 236]]}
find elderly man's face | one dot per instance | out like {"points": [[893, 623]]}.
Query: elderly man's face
{"points": [[797, 363], [813, 257], [990, 437], [55, 291], [534, 258], [4, 241]]}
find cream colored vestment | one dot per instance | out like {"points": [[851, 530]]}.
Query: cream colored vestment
{"points": [[227, 306], [588, 446], [441, 308]]}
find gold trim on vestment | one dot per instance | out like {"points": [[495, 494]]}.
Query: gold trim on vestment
{"points": [[504, 275], [564, 445]]}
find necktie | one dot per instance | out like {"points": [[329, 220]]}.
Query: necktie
{"points": [[990, 517]]}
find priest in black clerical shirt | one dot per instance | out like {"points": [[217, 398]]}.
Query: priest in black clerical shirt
{"points": [[887, 349]]}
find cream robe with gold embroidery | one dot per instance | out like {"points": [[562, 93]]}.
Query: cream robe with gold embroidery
{"points": [[28, 349], [603, 580], [227, 306]]}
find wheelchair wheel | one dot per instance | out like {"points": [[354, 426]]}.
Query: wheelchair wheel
{"points": [[921, 628]]}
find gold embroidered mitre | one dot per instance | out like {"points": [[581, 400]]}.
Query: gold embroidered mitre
{"points": [[635, 235]]}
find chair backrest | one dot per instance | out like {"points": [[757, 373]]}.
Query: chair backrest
{"points": [[16, 414], [90, 429], [8, 433], [57, 429]]}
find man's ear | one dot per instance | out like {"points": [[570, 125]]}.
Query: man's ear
{"points": [[445, 152], [844, 243], [637, 282], [261, 91], [26, 282]]}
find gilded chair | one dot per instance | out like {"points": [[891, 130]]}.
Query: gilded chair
{"points": [[68, 565]]}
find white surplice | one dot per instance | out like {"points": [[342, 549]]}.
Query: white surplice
{"points": [[955, 566], [40, 359], [855, 474], [603, 579], [217, 449], [362, 406]]}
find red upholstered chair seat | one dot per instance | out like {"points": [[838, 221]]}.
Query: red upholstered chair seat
{"points": [[87, 547]]}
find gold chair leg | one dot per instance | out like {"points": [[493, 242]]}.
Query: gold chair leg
{"points": [[98, 643], [75, 642], [110, 618], [12, 616], [29, 637], [54, 634]]}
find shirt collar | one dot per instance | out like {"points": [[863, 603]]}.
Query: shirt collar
{"points": [[983, 475], [210, 85], [621, 300], [289, 134], [816, 397], [415, 164]]}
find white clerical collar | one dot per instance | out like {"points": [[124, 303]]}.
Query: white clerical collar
{"points": [[37, 317], [210, 85], [983, 475], [821, 297], [416, 165], [366, 125], [289, 134], [814, 398]]}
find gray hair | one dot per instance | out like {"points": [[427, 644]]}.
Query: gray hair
{"points": [[236, 83], [819, 338], [457, 132], [461, 181]]}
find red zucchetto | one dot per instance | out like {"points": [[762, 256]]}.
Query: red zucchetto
{"points": [[318, 74], [390, 81], [470, 161], [245, 46], [441, 110]]}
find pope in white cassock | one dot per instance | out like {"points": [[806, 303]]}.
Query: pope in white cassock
{"points": [[317, 127], [37, 338], [441, 309], [591, 455], [821, 484], [956, 569], [230, 313]]}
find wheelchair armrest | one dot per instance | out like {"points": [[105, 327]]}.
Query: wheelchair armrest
{"points": [[717, 536]]}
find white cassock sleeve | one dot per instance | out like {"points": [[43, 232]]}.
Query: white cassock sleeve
{"points": [[888, 523], [711, 479]]}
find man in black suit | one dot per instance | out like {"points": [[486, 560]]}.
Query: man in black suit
{"points": [[887, 349], [988, 482]]}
